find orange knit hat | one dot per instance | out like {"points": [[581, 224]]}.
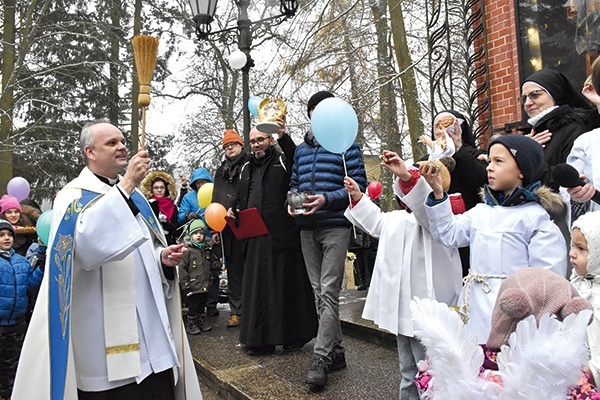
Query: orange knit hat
{"points": [[231, 136]]}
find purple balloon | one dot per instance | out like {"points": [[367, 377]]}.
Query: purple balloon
{"points": [[18, 187]]}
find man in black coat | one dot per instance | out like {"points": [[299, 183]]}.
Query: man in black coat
{"points": [[225, 187], [279, 305]]}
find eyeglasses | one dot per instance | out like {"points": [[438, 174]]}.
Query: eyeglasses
{"points": [[533, 95], [231, 145], [258, 141], [158, 188]]}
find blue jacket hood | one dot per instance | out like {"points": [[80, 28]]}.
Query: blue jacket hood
{"points": [[200, 173]]}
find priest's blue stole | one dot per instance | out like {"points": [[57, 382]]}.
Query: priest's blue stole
{"points": [[61, 270]]}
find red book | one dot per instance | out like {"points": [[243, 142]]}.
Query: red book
{"points": [[249, 224]]}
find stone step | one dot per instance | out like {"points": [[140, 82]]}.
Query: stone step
{"points": [[230, 373], [351, 307]]}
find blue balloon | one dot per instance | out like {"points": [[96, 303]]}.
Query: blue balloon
{"points": [[253, 103], [335, 125]]}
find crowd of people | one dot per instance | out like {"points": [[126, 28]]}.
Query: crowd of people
{"points": [[126, 253]]}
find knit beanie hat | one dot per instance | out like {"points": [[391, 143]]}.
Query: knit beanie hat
{"points": [[4, 224], [531, 291], [197, 225], [8, 202], [527, 152], [231, 136], [589, 225], [316, 99]]}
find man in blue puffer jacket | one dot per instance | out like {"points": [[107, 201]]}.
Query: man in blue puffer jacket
{"points": [[325, 233], [16, 277]]}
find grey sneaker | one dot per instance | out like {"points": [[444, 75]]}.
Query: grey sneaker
{"points": [[316, 375], [338, 360]]}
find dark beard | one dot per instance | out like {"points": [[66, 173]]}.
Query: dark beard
{"points": [[265, 153]]}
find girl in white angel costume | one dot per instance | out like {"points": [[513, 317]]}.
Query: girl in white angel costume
{"points": [[585, 257], [408, 264]]}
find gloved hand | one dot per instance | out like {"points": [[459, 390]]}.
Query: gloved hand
{"points": [[39, 259], [191, 216], [41, 251], [186, 289], [162, 217]]}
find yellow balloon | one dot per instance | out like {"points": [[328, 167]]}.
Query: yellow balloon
{"points": [[205, 194]]}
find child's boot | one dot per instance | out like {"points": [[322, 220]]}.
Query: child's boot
{"points": [[202, 324], [191, 324]]}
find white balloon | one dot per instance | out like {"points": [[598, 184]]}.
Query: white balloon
{"points": [[237, 59]]}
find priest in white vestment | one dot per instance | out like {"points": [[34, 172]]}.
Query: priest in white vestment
{"points": [[123, 318]]}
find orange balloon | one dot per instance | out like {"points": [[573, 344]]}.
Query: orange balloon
{"points": [[214, 214]]}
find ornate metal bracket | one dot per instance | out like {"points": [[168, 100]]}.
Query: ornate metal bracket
{"points": [[458, 60], [258, 29]]}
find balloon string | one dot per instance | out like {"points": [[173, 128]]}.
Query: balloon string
{"points": [[349, 198], [222, 246], [346, 173]]}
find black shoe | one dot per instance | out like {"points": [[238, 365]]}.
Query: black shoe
{"points": [[338, 360], [191, 325], [212, 312], [261, 350], [361, 287], [316, 374], [294, 346]]}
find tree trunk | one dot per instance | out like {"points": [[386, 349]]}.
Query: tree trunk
{"points": [[7, 99], [409, 85], [388, 117], [113, 85], [355, 91]]}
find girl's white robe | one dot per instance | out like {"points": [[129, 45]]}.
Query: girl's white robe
{"points": [[408, 262]]}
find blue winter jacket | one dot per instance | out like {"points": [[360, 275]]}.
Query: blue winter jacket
{"points": [[16, 277], [321, 172], [189, 203]]}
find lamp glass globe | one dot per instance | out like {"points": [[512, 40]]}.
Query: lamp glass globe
{"points": [[237, 59]]}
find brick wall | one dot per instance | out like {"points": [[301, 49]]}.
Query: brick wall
{"points": [[503, 62]]}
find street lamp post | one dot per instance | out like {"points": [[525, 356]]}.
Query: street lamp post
{"points": [[204, 12]]}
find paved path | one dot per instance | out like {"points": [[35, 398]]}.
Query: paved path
{"points": [[230, 373]]}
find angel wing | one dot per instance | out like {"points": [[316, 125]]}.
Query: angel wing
{"points": [[454, 356], [544, 362]]}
